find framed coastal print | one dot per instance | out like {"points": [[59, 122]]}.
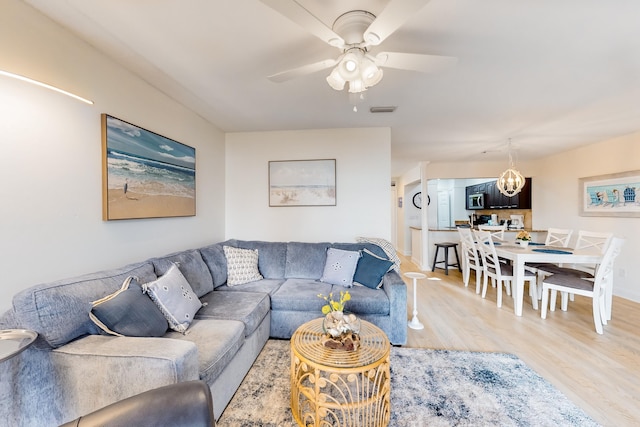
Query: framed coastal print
{"points": [[145, 175], [302, 182], [615, 194]]}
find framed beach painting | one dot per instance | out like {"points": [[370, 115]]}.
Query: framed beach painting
{"points": [[615, 194], [302, 182], [145, 175]]}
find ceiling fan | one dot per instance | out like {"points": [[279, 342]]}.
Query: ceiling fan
{"points": [[355, 33]]}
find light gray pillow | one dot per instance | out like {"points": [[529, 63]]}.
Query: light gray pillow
{"points": [[242, 265], [175, 298], [340, 267]]}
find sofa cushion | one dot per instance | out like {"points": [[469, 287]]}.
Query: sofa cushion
{"points": [[248, 307], [128, 312], [175, 298], [242, 265], [192, 267], [340, 267], [386, 246], [272, 257], [305, 260], [59, 311], [370, 270], [301, 295], [213, 256], [268, 286], [217, 340], [365, 300]]}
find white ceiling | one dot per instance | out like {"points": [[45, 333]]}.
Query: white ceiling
{"points": [[549, 74]]}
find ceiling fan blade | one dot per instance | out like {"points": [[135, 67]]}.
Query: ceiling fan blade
{"points": [[415, 61], [302, 71], [390, 19], [301, 16]]}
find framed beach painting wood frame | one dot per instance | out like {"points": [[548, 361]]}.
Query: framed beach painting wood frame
{"points": [[616, 194], [145, 175], [302, 182]]}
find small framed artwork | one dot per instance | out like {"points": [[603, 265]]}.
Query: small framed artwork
{"points": [[145, 175], [616, 194], [302, 182]]}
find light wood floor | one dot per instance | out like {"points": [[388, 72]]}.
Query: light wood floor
{"points": [[599, 373]]}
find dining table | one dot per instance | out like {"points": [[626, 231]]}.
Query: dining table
{"points": [[537, 253]]}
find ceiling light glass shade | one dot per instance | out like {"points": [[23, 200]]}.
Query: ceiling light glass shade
{"points": [[510, 182], [335, 80], [349, 66], [356, 86]]}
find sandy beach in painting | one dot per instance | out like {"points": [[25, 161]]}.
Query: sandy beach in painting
{"points": [[136, 205]]}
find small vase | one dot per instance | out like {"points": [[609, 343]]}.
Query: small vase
{"points": [[523, 243], [337, 323]]}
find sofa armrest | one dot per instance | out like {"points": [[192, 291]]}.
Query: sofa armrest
{"points": [[188, 403], [97, 370], [396, 291]]}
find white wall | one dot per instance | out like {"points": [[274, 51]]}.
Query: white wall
{"points": [[362, 178], [50, 166], [556, 201]]}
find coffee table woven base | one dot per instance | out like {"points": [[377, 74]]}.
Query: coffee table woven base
{"points": [[337, 387]]}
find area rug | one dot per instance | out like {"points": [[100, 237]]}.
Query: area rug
{"points": [[428, 388]]}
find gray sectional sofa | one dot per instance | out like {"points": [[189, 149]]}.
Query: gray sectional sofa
{"points": [[74, 368]]}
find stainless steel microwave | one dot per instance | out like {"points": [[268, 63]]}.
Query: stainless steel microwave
{"points": [[476, 201]]}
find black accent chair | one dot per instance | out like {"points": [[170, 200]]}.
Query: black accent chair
{"points": [[186, 404]]}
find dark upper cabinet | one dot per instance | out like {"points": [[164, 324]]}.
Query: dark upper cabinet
{"points": [[494, 199]]}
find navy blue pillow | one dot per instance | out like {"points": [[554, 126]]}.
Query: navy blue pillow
{"points": [[370, 270], [128, 312]]}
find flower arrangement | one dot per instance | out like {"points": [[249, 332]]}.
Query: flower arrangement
{"points": [[334, 305], [524, 236], [341, 329]]}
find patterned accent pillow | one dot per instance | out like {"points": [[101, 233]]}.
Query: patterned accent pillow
{"points": [[340, 267], [370, 270], [128, 313], [386, 246], [242, 265], [175, 298]]}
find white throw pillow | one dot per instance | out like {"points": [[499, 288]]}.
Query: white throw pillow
{"points": [[242, 265], [340, 267], [175, 298]]}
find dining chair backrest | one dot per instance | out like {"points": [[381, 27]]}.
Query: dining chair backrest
{"points": [[558, 237], [487, 251], [497, 231], [593, 241], [469, 249], [604, 275]]}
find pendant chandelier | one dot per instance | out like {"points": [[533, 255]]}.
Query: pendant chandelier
{"points": [[511, 181]]}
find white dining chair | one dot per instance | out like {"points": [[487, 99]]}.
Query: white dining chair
{"points": [[596, 288], [470, 257], [557, 237], [497, 231], [499, 272]]}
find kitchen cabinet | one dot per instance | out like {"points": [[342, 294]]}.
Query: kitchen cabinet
{"points": [[494, 199]]}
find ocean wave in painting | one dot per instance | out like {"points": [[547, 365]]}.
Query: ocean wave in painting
{"points": [[149, 177]]}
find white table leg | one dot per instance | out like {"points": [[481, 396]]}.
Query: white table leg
{"points": [[518, 286]]}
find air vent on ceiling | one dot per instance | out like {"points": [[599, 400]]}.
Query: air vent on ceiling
{"points": [[382, 109]]}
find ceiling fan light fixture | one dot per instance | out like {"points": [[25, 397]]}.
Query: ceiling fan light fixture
{"points": [[335, 80], [357, 86]]}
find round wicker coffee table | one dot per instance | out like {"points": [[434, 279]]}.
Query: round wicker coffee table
{"points": [[332, 387]]}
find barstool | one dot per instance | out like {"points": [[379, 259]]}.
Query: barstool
{"points": [[415, 323], [446, 246]]}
